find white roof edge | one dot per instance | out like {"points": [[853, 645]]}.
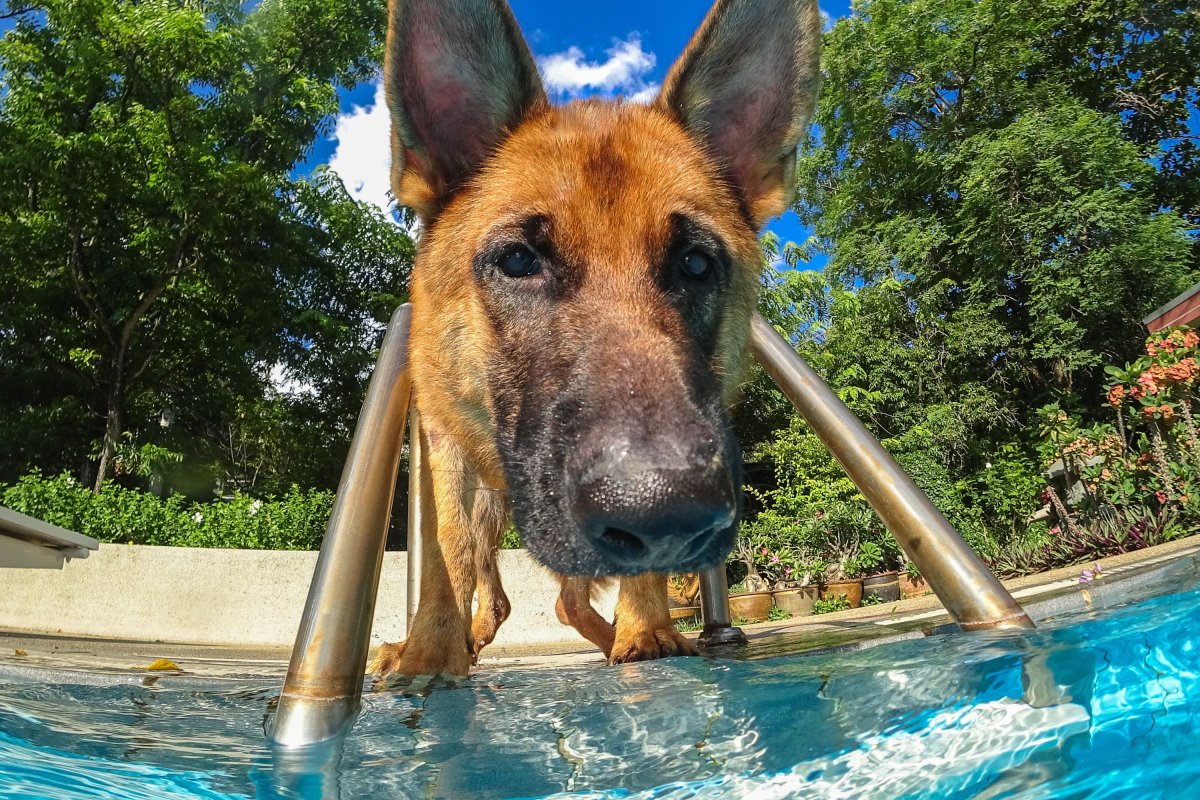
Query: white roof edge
{"points": [[22, 526]]}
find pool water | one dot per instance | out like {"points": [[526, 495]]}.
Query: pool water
{"points": [[1097, 705]]}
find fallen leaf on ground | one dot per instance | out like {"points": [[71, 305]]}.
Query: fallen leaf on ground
{"points": [[20, 652], [160, 664]]}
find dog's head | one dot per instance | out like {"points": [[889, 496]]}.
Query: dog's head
{"points": [[608, 252]]}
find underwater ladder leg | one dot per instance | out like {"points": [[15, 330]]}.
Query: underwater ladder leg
{"points": [[968, 590]]}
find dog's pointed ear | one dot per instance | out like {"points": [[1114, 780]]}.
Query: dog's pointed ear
{"points": [[745, 88], [459, 78]]}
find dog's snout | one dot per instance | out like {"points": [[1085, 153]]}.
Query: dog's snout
{"points": [[654, 514]]}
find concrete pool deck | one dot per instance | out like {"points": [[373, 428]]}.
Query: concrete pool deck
{"points": [[1047, 595]]}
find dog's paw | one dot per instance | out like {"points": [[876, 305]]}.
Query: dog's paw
{"points": [[410, 658], [387, 659], [485, 624], [647, 645]]}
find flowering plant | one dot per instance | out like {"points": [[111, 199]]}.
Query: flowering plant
{"points": [[1133, 484], [1161, 382]]}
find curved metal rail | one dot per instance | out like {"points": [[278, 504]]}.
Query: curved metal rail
{"points": [[968, 590], [325, 677]]}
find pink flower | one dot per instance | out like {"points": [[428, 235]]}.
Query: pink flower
{"points": [[775, 559], [764, 551], [1161, 497]]}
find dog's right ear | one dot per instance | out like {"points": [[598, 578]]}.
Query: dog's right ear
{"points": [[459, 78]]}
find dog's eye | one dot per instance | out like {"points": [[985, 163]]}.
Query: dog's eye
{"points": [[696, 264], [520, 262]]}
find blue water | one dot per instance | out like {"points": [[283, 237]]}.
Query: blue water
{"points": [[1101, 705]]}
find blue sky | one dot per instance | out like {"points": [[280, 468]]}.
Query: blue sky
{"points": [[584, 49]]}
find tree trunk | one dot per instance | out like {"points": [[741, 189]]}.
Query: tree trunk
{"points": [[115, 418], [114, 424]]}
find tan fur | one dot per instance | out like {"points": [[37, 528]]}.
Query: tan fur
{"points": [[607, 176], [574, 608]]}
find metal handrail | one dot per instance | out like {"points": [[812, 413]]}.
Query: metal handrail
{"points": [[324, 680], [968, 590], [418, 468]]}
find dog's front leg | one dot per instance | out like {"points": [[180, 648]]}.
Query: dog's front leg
{"points": [[574, 608], [644, 627], [490, 517], [440, 640]]}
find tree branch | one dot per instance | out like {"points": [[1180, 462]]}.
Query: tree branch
{"points": [[83, 289], [147, 300], [15, 10]]}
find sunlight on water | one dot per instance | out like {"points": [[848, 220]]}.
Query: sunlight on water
{"points": [[1100, 706]]}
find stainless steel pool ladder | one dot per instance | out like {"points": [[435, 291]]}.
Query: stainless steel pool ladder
{"points": [[323, 688]]}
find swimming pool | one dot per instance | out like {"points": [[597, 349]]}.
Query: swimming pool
{"points": [[1096, 705]]}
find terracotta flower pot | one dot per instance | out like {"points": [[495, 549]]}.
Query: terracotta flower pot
{"points": [[797, 602], [885, 586], [851, 588], [751, 606], [685, 612], [912, 588]]}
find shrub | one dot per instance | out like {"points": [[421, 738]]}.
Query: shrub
{"points": [[827, 605], [295, 521], [1117, 531]]}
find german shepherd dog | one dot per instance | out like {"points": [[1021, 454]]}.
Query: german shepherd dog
{"points": [[581, 309]]}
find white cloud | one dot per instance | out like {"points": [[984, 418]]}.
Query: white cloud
{"points": [[363, 157], [569, 74], [286, 384], [827, 20]]}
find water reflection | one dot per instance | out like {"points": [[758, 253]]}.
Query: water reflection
{"points": [[1074, 709]]}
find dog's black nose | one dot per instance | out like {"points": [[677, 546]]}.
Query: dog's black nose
{"points": [[655, 513]]}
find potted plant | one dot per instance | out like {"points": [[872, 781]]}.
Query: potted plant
{"points": [[683, 595], [750, 599], [880, 585], [841, 580], [798, 589], [911, 582]]}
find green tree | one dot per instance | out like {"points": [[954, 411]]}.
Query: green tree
{"points": [[1003, 190], [158, 252], [962, 146]]}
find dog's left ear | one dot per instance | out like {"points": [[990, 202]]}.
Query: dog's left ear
{"points": [[745, 88]]}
